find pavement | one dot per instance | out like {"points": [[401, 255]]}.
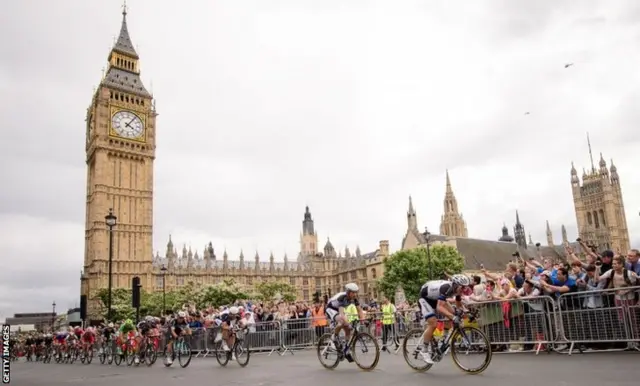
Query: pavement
{"points": [[523, 369]]}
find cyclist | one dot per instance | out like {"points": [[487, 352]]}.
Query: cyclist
{"points": [[88, 339], [126, 331], [230, 318], [144, 327], [335, 311], [434, 299], [107, 333], [177, 326]]}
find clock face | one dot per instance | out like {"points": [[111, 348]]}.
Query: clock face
{"points": [[127, 125]]}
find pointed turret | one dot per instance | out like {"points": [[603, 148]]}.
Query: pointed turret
{"points": [[519, 233], [329, 250], [347, 252], [241, 258], [565, 239], [358, 252], [307, 223], [412, 218], [286, 262], [615, 178], [225, 260], [505, 235], [257, 261], [451, 223], [530, 240], [124, 73], [272, 266], [208, 256], [549, 235], [124, 45]]}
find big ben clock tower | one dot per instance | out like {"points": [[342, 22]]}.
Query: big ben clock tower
{"points": [[120, 150]]}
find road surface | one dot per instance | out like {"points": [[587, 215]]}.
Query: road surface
{"points": [[601, 369]]}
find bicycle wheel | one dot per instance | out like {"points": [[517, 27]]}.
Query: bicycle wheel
{"points": [[221, 356], [108, 353], [102, 355], [118, 355], [150, 355], [360, 348], [467, 341], [89, 356], [242, 352], [328, 355], [130, 354], [412, 340], [184, 354]]}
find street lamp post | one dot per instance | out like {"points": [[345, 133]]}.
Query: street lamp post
{"points": [[53, 316], [427, 240], [110, 220], [164, 293]]}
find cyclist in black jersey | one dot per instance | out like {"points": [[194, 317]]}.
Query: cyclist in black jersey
{"points": [[434, 299], [335, 311]]}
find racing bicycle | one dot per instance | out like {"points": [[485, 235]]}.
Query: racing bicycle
{"points": [[462, 341], [327, 347], [240, 348]]}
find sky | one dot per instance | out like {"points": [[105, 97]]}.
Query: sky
{"points": [[348, 107]]}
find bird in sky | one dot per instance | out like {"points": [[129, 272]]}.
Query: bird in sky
{"points": [[568, 65], [527, 113]]}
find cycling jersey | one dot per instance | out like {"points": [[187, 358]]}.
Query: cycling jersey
{"points": [[107, 331], [341, 300], [125, 328], [430, 293]]}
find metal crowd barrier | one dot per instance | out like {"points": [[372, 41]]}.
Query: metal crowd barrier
{"points": [[602, 320]]}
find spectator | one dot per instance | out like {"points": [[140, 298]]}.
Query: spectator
{"points": [[633, 261]]}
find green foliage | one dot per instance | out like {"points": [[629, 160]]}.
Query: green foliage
{"points": [[151, 303], [269, 290], [410, 269]]}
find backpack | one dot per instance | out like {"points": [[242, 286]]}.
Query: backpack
{"points": [[625, 275]]}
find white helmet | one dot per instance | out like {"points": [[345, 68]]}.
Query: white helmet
{"points": [[460, 280], [351, 287], [149, 318], [110, 325], [233, 310], [182, 314]]}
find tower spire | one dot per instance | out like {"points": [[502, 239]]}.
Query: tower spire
{"points": [[123, 43], [593, 167], [451, 223]]}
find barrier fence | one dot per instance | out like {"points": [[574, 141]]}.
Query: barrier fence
{"points": [[603, 320]]}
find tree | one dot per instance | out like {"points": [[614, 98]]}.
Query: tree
{"points": [[151, 303], [268, 290], [410, 269]]}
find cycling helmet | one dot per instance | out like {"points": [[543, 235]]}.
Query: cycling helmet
{"points": [[110, 325], [460, 280], [77, 329], [233, 310], [351, 287], [128, 322], [182, 314], [149, 318]]}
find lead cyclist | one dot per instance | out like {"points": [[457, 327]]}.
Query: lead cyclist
{"points": [[335, 311], [434, 300]]}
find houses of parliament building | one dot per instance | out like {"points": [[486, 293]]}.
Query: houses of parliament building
{"points": [[120, 153]]}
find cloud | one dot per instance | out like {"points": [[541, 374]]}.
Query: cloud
{"points": [[348, 107]]}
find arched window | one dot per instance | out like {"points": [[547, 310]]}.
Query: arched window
{"points": [[374, 274], [595, 219], [602, 219], [589, 219]]}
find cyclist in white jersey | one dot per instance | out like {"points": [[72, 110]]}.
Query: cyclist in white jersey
{"points": [[434, 296], [335, 311]]}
